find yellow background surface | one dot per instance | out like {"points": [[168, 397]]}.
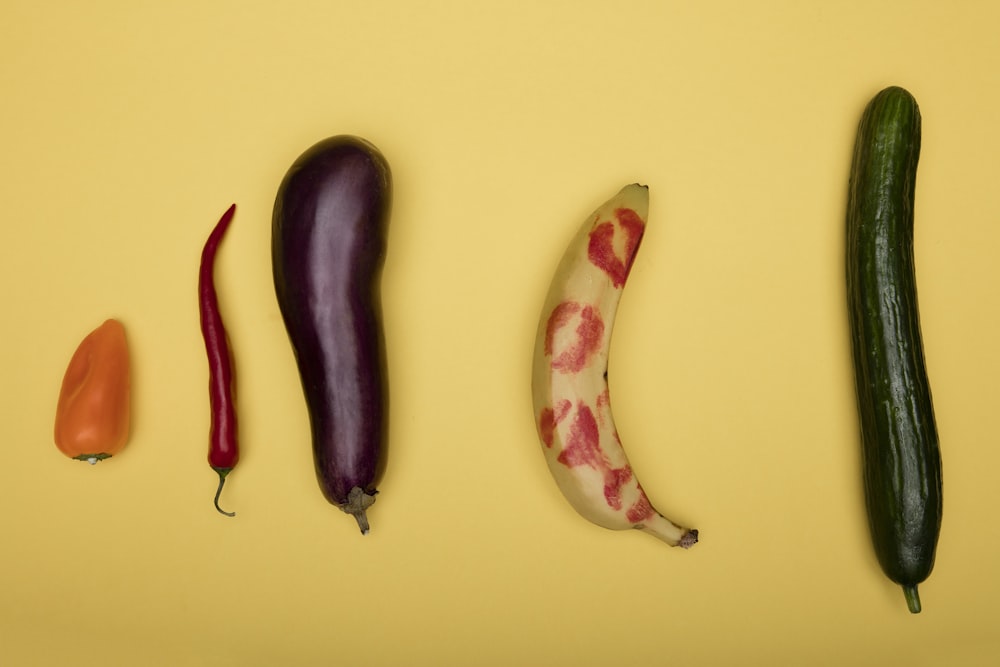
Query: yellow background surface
{"points": [[127, 128]]}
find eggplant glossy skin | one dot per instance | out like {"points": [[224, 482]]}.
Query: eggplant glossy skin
{"points": [[328, 247]]}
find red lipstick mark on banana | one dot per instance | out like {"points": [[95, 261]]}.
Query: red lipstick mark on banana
{"points": [[628, 226], [569, 380], [571, 353], [583, 448]]}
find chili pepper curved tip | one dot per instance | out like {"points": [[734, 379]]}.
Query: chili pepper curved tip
{"points": [[218, 492]]}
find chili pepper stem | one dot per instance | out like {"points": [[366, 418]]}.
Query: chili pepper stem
{"points": [[222, 480]]}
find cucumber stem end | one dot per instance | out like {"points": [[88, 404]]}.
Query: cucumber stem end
{"points": [[912, 598]]}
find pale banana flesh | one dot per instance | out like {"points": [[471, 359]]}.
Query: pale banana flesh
{"points": [[569, 380]]}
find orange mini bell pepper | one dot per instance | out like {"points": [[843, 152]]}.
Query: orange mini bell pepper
{"points": [[92, 417]]}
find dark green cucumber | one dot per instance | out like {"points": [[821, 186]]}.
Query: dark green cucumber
{"points": [[901, 458]]}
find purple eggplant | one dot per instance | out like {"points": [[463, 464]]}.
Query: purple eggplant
{"points": [[327, 250]]}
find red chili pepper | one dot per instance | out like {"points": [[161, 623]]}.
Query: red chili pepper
{"points": [[223, 449]]}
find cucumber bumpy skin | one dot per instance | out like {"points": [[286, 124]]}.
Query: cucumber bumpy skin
{"points": [[900, 452]]}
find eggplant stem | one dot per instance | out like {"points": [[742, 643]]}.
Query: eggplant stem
{"points": [[357, 502], [218, 492]]}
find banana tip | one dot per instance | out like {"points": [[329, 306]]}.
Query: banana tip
{"points": [[689, 539]]}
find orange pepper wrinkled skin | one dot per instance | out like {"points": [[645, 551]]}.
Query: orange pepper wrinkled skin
{"points": [[92, 417]]}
